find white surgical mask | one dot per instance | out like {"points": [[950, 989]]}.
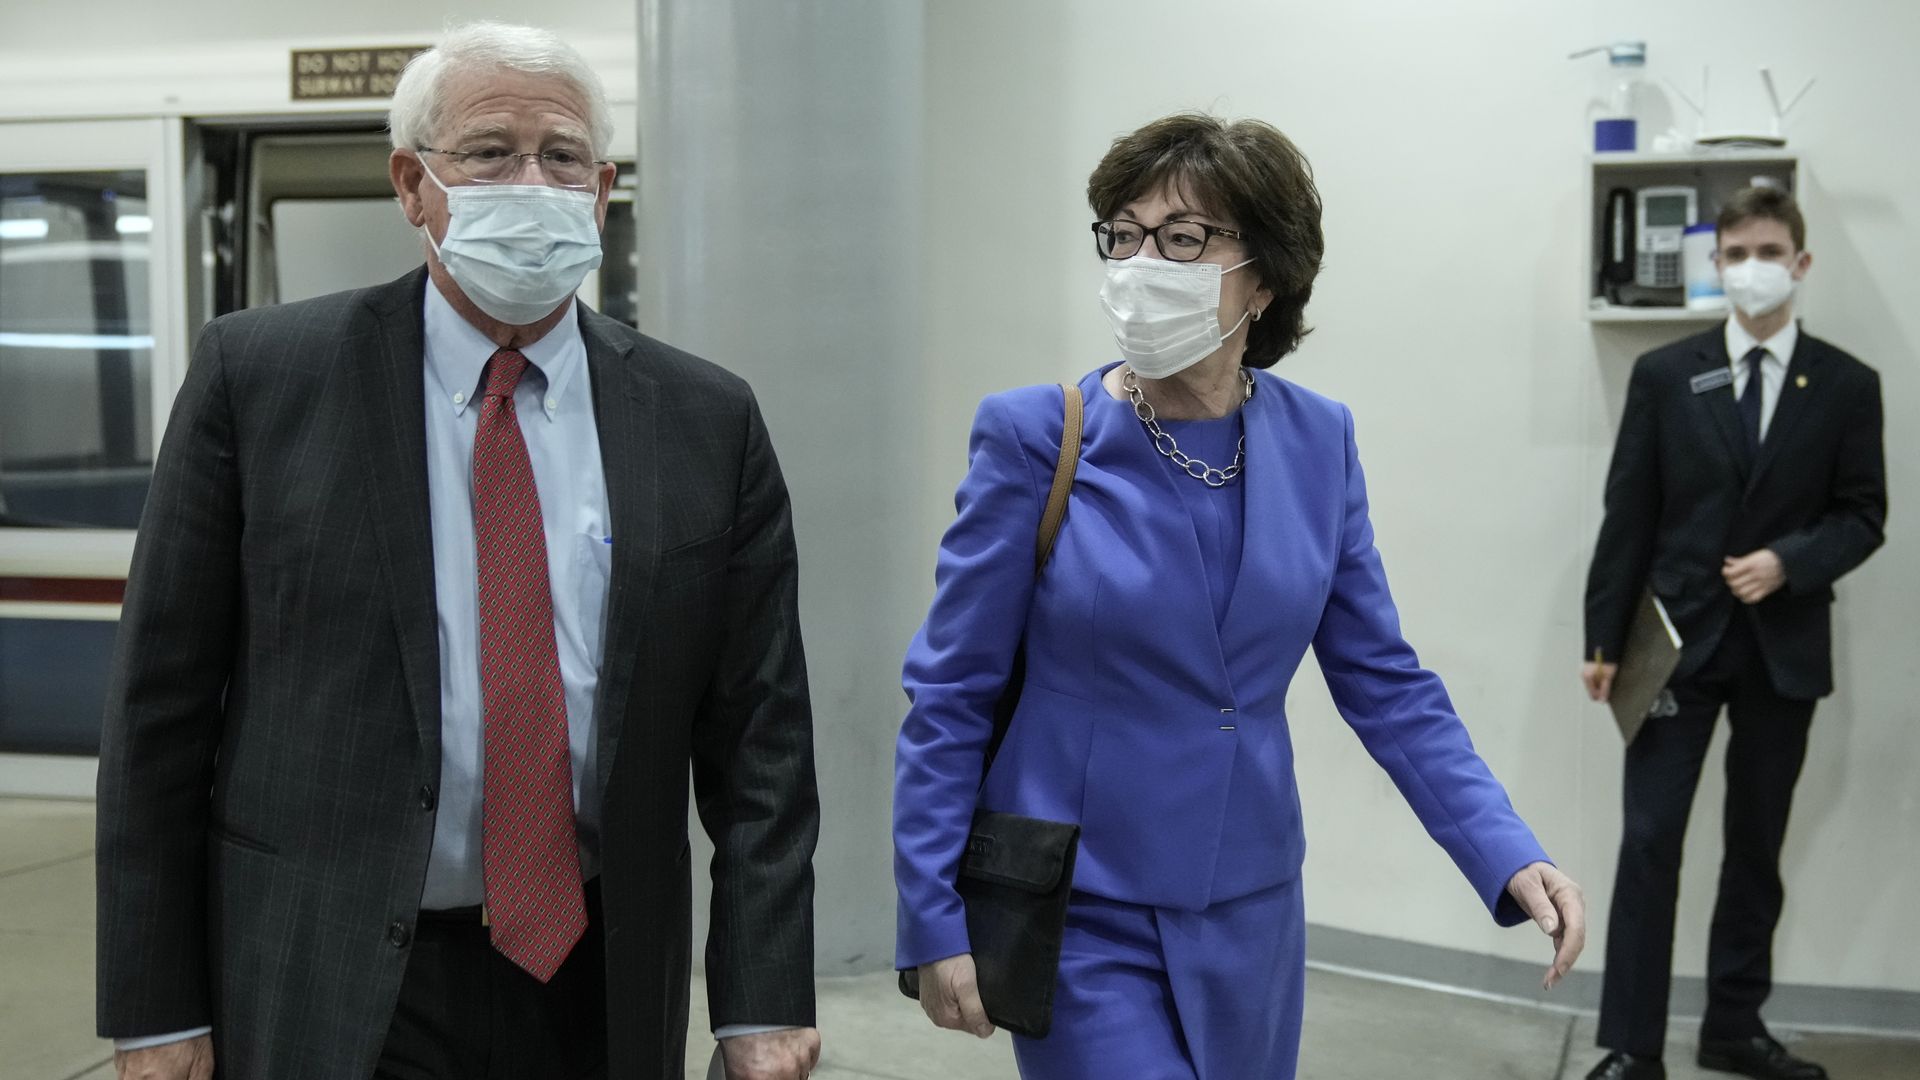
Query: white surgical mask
{"points": [[1165, 315], [1756, 286], [518, 250]]}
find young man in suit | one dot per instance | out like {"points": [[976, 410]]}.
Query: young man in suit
{"points": [[1747, 478], [444, 589]]}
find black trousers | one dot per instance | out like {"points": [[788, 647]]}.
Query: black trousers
{"points": [[1766, 746], [468, 1013]]}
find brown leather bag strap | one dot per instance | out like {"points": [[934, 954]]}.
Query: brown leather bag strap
{"points": [[1063, 471], [1050, 520]]}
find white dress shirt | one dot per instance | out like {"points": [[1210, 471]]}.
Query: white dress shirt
{"points": [[1773, 367]]}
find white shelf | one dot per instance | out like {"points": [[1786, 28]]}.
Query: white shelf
{"points": [[1627, 159], [1716, 172], [1654, 315]]}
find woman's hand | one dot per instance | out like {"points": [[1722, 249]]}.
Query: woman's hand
{"points": [[950, 995], [1557, 905]]}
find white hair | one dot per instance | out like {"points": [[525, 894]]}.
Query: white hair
{"points": [[418, 112]]}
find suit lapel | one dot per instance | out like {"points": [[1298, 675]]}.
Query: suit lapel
{"points": [[1246, 614], [625, 407], [384, 355], [1711, 355], [1796, 396]]}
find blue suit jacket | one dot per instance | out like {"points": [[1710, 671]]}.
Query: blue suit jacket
{"points": [[1159, 730]]}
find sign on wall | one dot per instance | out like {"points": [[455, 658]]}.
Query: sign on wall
{"points": [[320, 74]]}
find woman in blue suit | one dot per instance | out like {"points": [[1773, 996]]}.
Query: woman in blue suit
{"points": [[1217, 527]]}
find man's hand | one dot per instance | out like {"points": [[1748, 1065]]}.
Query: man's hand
{"points": [[950, 995], [188, 1059], [1558, 907], [1598, 679], [791, 1054], [1754, 577]]}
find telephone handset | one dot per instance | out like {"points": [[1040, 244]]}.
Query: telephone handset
{"points": [[1617, 242]]}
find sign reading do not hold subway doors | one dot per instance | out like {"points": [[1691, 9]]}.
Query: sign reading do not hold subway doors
{"points": [[320, 74]]}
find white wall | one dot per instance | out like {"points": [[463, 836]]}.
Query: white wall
{"points": [[1448, 141]]}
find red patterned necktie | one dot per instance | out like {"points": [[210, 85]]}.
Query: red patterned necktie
{"points": [[536, 909]]}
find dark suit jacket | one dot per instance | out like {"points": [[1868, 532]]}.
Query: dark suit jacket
{"points": [[1682, 496], [272, 739]]}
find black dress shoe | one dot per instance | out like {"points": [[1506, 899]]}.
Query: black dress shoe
{"points": [[1619, 1066], [1759, 1057]]}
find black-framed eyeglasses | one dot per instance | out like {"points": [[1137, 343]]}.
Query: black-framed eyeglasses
{"points": [[494, 165], [1179, 241]]}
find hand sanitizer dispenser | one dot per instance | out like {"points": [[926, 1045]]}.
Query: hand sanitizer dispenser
{"points": [[1615, 126]]}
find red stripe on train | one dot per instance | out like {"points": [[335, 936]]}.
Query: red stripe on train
{"points": [[62, 590]]}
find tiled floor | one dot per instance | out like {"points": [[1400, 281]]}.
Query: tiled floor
{"points": [[46, 941], [1356, 1029]]}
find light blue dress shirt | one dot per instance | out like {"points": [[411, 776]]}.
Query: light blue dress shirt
{"points": [[554, 403]]}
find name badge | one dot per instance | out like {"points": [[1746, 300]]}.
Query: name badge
{"points": [[1711, 380]]}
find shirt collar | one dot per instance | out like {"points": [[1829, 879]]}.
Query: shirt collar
{"points": [[1779, 347], [457, 352]]}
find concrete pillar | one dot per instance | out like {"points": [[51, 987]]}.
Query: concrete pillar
{"points": [[780, 223]]}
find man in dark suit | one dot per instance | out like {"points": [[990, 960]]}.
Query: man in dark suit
{"points": [[1747, 478], [441, 586]]}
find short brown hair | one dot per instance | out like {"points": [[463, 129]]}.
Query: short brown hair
{"points": [[1246, 172], [1770, 203]]}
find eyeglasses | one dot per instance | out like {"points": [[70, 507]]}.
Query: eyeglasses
{"points": [[494, 165], [1180, 241]]}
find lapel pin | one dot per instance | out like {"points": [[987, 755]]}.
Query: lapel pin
{"points": [[1801, 382]]}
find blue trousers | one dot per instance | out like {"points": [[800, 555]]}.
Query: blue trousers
{"points": [[1156, 994]]}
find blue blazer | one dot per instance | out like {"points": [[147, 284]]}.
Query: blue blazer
{"points": [[1162, 732]]}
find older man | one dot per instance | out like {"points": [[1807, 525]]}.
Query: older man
{"points": [[441, 586]]}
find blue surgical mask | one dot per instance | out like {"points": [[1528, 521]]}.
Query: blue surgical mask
{"points": [[518, 250]]}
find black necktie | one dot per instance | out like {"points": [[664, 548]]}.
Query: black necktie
{"points": [[1750, 401]]}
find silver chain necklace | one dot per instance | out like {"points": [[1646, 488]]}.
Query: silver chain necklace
{"points": [[1170, 449]]}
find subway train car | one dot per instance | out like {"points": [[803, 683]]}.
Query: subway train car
{"points": [[135, 206]]}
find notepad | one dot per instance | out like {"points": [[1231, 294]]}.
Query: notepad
{"points": [[1652, 652]]}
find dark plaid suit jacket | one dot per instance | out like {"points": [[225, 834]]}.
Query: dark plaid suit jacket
{"points": [[272, 738]]}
